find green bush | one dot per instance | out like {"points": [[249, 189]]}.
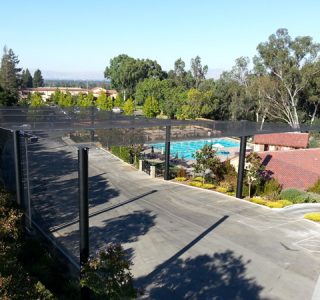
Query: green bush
{"points": [[122, 152], [109, 276], [298, 196], [272, 189], [291, 194], [315, 188]]}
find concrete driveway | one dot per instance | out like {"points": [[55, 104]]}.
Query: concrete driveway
{"points": [[185, 243]]}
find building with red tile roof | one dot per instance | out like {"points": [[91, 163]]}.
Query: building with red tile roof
{"points": [[293, 168], [280, 141]]}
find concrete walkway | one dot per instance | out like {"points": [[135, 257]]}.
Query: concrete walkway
{"points": [[184, 243]]}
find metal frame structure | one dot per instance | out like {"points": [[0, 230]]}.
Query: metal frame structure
{"points": [[18, 119]]}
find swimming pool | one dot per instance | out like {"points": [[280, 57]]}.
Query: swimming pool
{"points": [[186, 149]]}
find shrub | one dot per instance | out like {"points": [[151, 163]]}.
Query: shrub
{"points": [[298, 196], [315, 188], [208, 186], [285, 202], [199, 178], [181, 172], [291, 194], [109, 276], [272, 189], [195, 183], [274, 204], [221, 189], [180, 179], [315, 216], [231, 193], [314, 197], [258, 201], [227, 185]]}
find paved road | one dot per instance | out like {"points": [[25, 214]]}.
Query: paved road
{"points": [[184, 243]]}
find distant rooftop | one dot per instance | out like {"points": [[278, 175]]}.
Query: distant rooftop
{"points": [[286, 139], [293, 168]]}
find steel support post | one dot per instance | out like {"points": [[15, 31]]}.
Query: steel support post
{"points": [[167, 154], [242, 158], [92, 116], [83, 211], [18, 168]]}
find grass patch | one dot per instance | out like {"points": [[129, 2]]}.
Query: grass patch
{"points": [[315, 216]]}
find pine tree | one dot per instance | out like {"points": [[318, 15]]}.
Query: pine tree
{"points": [[38, 79], [10, 75], [26, 79]]}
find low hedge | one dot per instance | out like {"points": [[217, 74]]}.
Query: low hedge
{"points": [[299, 196], [199, 178], [271, 204], [195, 183], [315, 216], [222, 189], [181, 179], [208, 186]]}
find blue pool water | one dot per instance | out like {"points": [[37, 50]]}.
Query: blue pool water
{"points": [[186, 149]]}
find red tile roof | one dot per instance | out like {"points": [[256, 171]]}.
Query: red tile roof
{"points": [[287, 139], [293, 168]]}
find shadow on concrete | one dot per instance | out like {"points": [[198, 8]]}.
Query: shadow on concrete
{"points": [[219, 276], [119, 230], [54, 184], [101, 211]]}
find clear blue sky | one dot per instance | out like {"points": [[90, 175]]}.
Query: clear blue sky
{"points": [[78, 38]]}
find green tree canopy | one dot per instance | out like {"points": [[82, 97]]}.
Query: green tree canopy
{"points": [[198, 71], [103, 102], [10, 75], [36, 100], [151, 107], [38, 79], [128, 107], [125, 72], [292, 63], [26, 79]]}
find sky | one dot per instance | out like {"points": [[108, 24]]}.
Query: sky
{"points": [[76, 39]]}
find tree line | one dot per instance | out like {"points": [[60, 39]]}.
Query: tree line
{"points": [[14, 78], [281, 82]]}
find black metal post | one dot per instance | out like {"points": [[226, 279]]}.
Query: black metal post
{"points": [[167, 154], [242, 159], [18, 168], [83, 211], [92, 124]]}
